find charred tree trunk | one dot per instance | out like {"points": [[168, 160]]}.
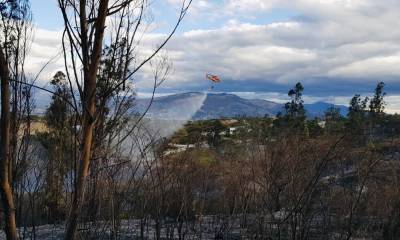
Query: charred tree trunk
{"points": [[90, 67], [5, 188]]}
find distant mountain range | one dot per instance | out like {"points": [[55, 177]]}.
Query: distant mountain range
{"points": [[196, 106]]}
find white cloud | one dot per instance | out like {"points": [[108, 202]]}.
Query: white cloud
{"points": [[45, 50], [332, 38], [234, 6], [393, 104], [350, 42], [385, 66]]}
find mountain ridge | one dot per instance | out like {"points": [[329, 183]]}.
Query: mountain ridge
{"points": [[201, 106]]}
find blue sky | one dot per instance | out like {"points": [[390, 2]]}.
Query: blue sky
{"points": [[261, 48], [46, 14]]}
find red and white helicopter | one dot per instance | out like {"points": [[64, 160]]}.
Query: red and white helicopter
{"points": [[214, 79]]}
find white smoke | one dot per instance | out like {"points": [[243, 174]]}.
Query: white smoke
{"points": [[152, 130], [175, 117]]}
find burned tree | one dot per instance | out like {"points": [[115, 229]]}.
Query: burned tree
{"points": [[86, 28], [14, 25]]}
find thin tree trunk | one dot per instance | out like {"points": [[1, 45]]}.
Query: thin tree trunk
{"points": [[5, 188], [89, 110]]}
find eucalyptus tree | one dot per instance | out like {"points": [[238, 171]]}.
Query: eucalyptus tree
{"points": [[15, 31], [377, 104], [295, 114], [89, 26], [377, 109], [295, 107]]}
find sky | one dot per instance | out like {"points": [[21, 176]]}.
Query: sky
{"points": [[261, 48]]}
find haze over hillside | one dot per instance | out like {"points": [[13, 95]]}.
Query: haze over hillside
{"points": [[219, 105]]}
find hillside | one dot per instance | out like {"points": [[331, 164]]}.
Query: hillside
{"points": [[198, 106]]}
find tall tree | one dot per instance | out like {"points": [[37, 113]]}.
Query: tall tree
{"points": [[295, 108], [357, 115], [91, 42], [57, 142], [14, 16], [377, 104], [358, 107], [85, 27], [6, 190], [59, 111], [376, 111], [295, 114]]}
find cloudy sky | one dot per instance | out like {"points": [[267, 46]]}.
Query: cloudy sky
{"points": [[261, 48]]}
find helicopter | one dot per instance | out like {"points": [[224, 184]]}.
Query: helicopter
{"points": [[214, 79]]}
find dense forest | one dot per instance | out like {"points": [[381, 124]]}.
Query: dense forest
{"points": [[92, 167]]}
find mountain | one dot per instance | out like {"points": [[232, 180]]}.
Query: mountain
{"points": [[318, 109], [181, 106], [230, 105], [196, 106]]}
